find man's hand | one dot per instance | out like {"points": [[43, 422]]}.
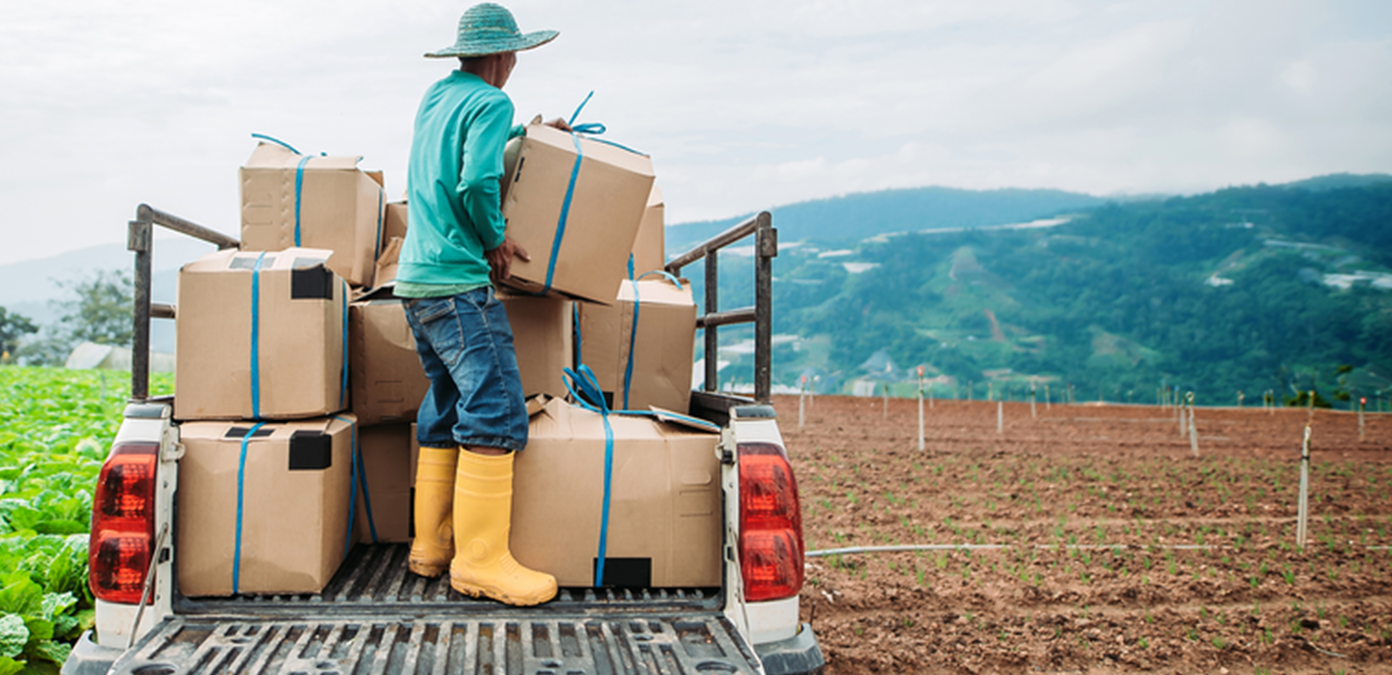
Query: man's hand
{"points": [[558, 123], [500, 259]]}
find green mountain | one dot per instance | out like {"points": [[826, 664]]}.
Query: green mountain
{"points": [[1248, 288], [855, 216]]}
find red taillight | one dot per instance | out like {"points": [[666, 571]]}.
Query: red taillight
{"points": [[771, 546], [123, 523]]}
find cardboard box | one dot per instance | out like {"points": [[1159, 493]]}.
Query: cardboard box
{"points": [[611, 191], [662, 348], [388, 471], [388, 262], [394, 222], [542, 337], [327, 200], [277, 355], [294, 505], [387, 379], [665, 504], [649, 248]]}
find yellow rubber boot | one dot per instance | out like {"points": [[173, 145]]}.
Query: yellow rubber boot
{"points": [[433, 546], [483, 565]]}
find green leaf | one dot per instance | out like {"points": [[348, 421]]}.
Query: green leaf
{"points": [[57, 603], [59, 527], [9, 666], [55, 652], [66, 628], [39, 628], [20, 595], [13, 635]]}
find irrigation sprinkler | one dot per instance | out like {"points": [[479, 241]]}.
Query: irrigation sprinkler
{"points": [[1304, 508], [802, 403], [885, 392], [1032, 415], [1179, 411], [1046, 396], [920, 408], [1000, 417], [1193, 430], [1239, 398]]}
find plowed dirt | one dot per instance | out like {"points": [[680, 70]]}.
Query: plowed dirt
{"points": [[1091, 539]]}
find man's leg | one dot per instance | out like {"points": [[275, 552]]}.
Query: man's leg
{"points": [[433, 546], [492, 426]]}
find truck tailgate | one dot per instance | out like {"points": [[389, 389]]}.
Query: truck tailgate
{"points": [[542, 644]]}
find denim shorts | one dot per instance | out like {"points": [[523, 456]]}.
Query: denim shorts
{"points": [[465, 345]]}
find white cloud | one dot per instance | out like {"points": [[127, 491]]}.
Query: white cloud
{"points": [[742, 105]]}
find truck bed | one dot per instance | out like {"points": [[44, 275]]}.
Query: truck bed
{"points": [[376, 617]]}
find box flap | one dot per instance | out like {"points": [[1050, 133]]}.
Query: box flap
{"points": [[605, 150], [686, 421], [231, 259], [273, 156], [657, 290]]}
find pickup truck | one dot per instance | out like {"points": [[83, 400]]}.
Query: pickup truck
{"points": [[376, 617]]}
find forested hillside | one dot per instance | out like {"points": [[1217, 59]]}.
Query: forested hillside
{"points": [[857, 216], [1249, 288]]}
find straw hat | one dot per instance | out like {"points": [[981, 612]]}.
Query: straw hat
{"points": [[490, 29]]}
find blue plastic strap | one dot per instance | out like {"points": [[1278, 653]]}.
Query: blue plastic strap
{"points": [[632, 343], [277, 141], [565, 214], [604, 514], [343, 367], [579, 339], [241, 481], [299, 189], [367, 496], [666, 275], [578, 108], [357, 479], [256, 337]]}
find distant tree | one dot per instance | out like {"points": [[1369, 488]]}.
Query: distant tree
{"points": [[101, 310], [12, 328]]}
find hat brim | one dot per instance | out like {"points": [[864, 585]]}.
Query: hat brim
{"points": [[485, 47]]}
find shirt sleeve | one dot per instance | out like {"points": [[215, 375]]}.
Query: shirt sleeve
{"points": [[482, 169]]}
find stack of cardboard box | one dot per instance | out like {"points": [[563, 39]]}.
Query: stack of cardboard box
{"points": [[298, 377]]}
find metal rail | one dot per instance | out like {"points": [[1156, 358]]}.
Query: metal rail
{"points": [[761, 314], [140, 240]]}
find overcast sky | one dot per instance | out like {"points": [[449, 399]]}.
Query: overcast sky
{"points": [[742, 104]]}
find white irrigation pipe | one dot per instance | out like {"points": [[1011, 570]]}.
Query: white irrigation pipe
{"points": [[991, 547], [1043, 547], [1000, 417]]}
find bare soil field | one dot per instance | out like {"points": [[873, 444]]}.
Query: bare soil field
{"points": [[1091, 539]]}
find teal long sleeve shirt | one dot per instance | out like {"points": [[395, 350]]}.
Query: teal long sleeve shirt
{"points": [[453, 176]]}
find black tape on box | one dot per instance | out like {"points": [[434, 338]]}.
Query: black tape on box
{"points": [[310, 451]]}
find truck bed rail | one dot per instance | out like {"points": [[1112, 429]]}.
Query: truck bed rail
{"points": [[761, 314], [140, 240]]}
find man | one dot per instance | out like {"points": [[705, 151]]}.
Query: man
{"points": [[473, 417]]}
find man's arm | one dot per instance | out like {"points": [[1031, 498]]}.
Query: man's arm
{"points": [[482, 169]]}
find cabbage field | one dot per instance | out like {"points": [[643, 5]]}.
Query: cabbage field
{"points": [[56, 426]]}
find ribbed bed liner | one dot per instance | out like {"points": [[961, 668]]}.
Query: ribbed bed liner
{"points": [[376, 617], [374, 578]]}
